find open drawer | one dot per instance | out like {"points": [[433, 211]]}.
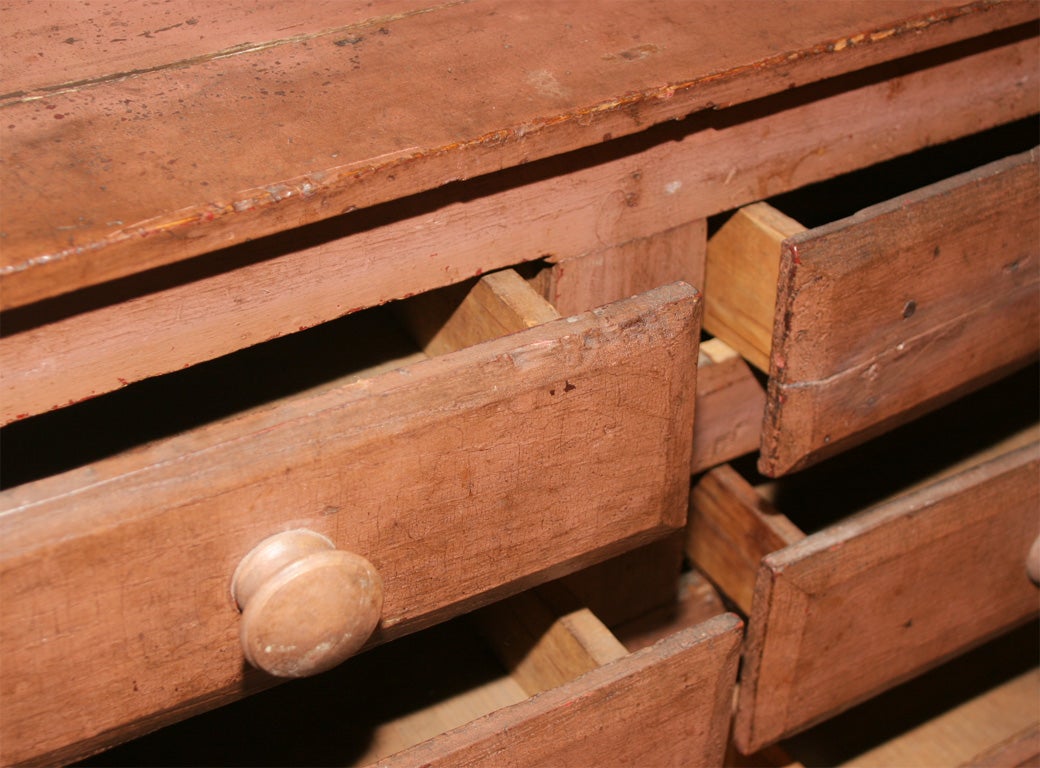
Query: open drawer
{"points": [[460, 479], [866, 322], [868, 601], [536, 680]]}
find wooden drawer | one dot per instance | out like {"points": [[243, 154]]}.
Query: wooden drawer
{"points": [[462, 478], [535, 680], [864, 603], [979, 709], [867, 322]]}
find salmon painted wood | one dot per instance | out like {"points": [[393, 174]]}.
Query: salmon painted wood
{"points": [[901, 308], [461, 478], [867, 603], [132, 140], [589, 204]]}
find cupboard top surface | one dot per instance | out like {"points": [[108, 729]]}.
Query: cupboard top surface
{"points": [[143, 138]]}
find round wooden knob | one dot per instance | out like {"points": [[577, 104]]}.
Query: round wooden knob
{"points": [[1033, 562], [306, 606]]}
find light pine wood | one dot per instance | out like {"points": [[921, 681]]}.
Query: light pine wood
{"points": [[668, 705], [460, 316], [257, 159], [730, 407], [1020, 750], [461, 478], [546, 639], [869, 337], [430, 722], [998, 728], [578, 283], [730, 529], [869, 602], [610, 195], [741, 274]]}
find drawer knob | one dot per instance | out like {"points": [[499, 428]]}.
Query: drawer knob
{"points": [[1033, 562], [306, 606]]}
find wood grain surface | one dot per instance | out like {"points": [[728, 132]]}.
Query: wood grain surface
{"points": [[92, 341], [461, 478], [865, 604], [900, 308], [730, 406], [666, 705], [221, 133]]}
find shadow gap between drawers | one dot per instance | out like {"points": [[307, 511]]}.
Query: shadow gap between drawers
{"points": [[165, 405], [852, 481]]}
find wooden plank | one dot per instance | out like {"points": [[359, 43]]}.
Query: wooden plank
{"points": [[730, 406], [54, 45], [560, 207], [868, 603], [996, 729], [565, 443], [257, 159], [460, 316], [545, 638], [695, 602], [577, 283], [1019, 750], [730, 529], [633, 583], [868, 337], [668, 704], [741, 274]]}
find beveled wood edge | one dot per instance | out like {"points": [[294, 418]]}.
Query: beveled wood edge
{"points": [[416, 169], [725, 629], [769, 588], [784, 450], [17, 518], [927, 192], [880, 514]]}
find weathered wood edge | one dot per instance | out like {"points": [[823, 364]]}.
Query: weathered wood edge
{"points": [[775, 581], [255, 212], [17, 505], [474, 743], [794, 427]]}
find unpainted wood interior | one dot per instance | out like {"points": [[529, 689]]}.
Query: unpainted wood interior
{"points": [[948, 716], [743, 265]]}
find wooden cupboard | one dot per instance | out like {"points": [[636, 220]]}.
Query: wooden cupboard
{"points": [[427, 281]]}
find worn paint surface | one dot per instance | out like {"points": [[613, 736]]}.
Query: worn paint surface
{"points": [[132, 142]]}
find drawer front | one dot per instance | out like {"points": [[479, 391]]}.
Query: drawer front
{"points": [[534, 680], [665, 705], [900, 308], [461, 479], [867, 603]]}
